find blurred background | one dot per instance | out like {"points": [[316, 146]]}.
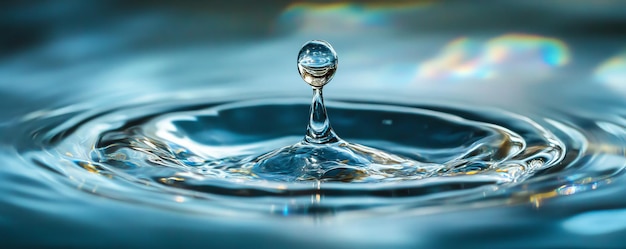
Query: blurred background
{"points": [[65, 52]]}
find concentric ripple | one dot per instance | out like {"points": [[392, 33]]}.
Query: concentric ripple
{"points": [[204, 153]]}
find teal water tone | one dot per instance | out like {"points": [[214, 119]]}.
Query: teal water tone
{"points": [[459, 125]]}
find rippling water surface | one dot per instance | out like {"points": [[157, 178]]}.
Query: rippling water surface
{"points": [[151, 126]]}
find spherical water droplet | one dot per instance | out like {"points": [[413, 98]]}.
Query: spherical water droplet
{"points": [[317, 62]]}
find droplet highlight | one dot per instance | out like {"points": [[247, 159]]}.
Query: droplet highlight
{"points": [[317, 63]]}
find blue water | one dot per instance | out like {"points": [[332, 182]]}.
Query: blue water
{"points": [[133, 124]]}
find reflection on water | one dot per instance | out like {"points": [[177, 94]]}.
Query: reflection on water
{"points": [[613, 72], [503, 56], [346, 17], [113, 116], [597, 222]]}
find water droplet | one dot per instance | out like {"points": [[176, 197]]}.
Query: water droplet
{"points": [[317, 63]]}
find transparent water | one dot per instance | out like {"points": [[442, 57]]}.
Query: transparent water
{"points": [[113, 136]]}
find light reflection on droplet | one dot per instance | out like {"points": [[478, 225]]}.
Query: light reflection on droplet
{"points": [[317, 63]]}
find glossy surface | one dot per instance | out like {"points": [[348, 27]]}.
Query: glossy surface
{"points": [[317, 63]]}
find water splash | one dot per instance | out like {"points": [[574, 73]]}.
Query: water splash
{"points": [[322, 155], [213, 151]]}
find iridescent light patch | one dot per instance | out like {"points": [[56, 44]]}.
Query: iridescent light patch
{"points": [[344, 17], [510, 54], [612, 71]]}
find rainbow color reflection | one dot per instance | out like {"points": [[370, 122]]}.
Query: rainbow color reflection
{"points": [[510, 54], [612, 71], [343, 17]]}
